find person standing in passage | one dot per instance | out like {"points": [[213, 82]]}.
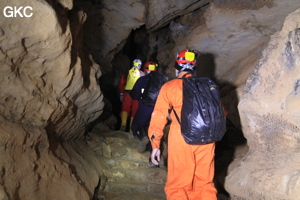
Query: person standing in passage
{"points": [[190, 167], [140, 92], [129, 106]]}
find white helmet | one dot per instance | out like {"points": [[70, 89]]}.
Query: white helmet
{"points": [[137, 63]]}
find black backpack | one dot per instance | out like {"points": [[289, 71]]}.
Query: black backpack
{"points": [[202, 116], [156, 80]]}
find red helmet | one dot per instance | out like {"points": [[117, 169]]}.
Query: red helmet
{"points": [[150, 66], [185, 59]]}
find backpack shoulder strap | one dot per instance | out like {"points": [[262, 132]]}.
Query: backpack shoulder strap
{"points": [[176, 115], [184, 76]]}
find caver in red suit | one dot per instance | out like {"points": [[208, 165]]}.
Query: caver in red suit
{"points": [[129, 106]]}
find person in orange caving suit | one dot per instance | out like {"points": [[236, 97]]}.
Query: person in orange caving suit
{"points": [[190, 167]]}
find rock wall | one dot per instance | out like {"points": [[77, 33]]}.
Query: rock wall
{"points": [[49, 94], [108, 26], [269, 110], [157, 16]]}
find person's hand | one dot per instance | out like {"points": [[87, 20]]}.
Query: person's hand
{"points": [[121, 98], [155, 156]]}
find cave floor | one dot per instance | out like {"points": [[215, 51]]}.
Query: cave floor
{"points": [[126, 173]]}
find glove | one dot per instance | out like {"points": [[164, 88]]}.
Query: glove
{"points": [[155, 156]]}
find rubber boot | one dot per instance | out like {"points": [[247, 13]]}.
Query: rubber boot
{"points": [[131, 120], [124, 116]]}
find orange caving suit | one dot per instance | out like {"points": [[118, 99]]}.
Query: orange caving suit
{"points": [[190, 167]]}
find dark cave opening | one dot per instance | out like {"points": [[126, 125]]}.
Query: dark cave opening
{"points": [[136, 46]]}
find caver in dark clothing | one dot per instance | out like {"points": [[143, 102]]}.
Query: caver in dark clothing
{"points": [[142, 117], [145, 90]]}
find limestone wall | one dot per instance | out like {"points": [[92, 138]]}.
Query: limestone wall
{"points": [[49, 94], [269, 110]]}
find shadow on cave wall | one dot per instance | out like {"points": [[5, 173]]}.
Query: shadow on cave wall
{"points": [[76, 18], [225, 149], [112, 103]]}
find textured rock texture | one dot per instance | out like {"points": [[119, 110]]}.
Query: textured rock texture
{"points": [[159, 14], [49, 94], [269, 110], [109, 24]]}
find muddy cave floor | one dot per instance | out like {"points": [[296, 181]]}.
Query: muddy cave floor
{"points": [[128, 176]]}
